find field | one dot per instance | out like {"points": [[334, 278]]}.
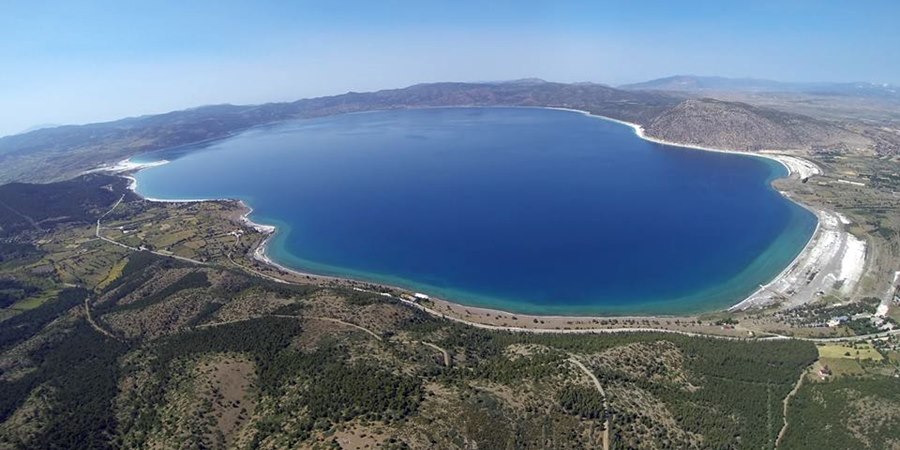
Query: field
{"points": [[855, 405], [205, 231], [849, 351], [845, 413]]}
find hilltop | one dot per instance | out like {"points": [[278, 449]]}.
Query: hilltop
{"points": [[62, 152], [695, 83]]}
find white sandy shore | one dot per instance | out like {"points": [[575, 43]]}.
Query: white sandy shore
{"points": [[830, 255], [259, 254], [793, 164], [245, 219], [126, 166], [829, 248], [803, 168], [852, 263]]}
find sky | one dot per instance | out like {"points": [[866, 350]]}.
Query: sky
{"points": [[64, 62]]}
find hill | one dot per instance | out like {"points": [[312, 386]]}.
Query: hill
{"points": [[868, 108], [63, 152], [40, 207], [739, 126], [167, 333], [121, 348], [700, 84]]}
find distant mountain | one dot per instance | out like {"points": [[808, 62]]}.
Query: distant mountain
{"points": [[693, 83], [700, 84], [39, 127], [63, 152], [524, 81]]}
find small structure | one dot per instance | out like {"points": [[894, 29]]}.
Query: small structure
{"points": [[420, 296], [825, 372], [835, 321]]}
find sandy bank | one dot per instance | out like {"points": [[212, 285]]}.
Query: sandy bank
{"points": [[127, 166], [832, 260], [831, 253]]}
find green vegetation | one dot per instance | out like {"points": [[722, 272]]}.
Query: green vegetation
{"points": [[852, 351], [193, 280], [37, 207], [845, 413], [208, 356], [334, 389], [742, 382], [12, 291], [198, 231], [25, 325], [582, 401], [81, 371], [12, 251], [134, 275]]}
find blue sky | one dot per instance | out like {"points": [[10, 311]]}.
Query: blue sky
{"points": [[84, 61]]}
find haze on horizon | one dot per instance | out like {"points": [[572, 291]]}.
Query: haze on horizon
{"points": [[79, 62]]}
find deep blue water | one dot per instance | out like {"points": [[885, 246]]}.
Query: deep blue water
{"points": [[527, 210]]}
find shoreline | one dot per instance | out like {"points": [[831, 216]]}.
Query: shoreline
{"points": [[792, 164]]}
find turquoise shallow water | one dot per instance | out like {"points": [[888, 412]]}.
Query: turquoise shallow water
{"points": [[526, 210]]}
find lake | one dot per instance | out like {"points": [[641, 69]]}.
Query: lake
{"points": [[522, 209]]}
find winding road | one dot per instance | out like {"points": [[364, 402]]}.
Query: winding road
{"points": [[599, 387]]}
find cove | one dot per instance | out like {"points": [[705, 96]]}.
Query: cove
{"points": [[525, 210]]}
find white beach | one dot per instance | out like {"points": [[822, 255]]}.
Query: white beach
{"points": [[829, 247], [831, 253]]}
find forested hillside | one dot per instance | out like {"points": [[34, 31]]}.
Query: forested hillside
{"points": [[147, 351]]}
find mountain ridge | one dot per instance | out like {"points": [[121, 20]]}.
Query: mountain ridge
{"points": [[699, 83], [59, 153]]}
